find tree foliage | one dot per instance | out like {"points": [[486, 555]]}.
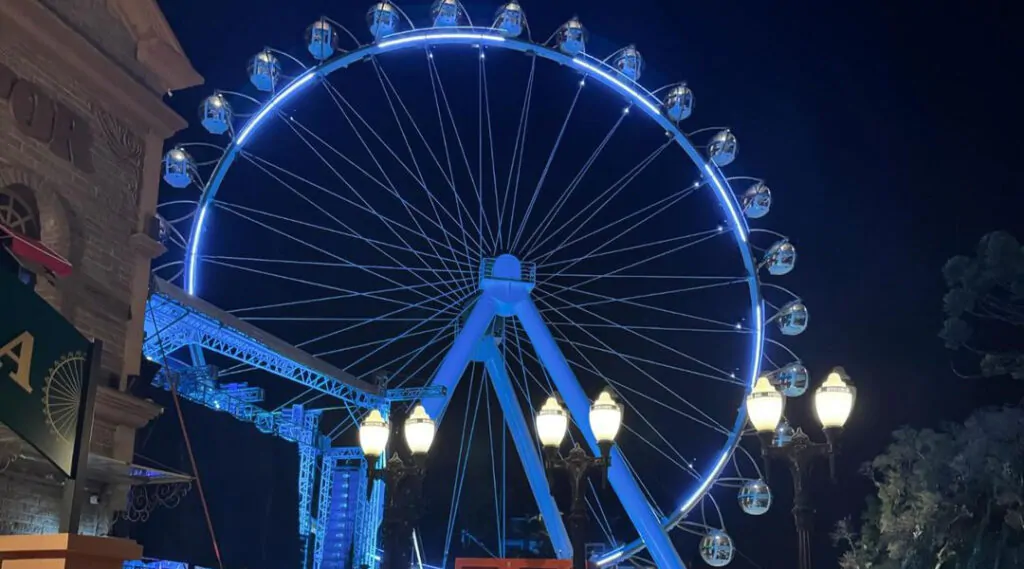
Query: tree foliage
{"points": [[946, 499], [984, 305]]}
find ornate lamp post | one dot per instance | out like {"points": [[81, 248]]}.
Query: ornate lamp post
{"points": [[833, 402], [403, 480], [552, 425]]}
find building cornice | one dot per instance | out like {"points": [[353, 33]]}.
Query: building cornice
{"points": [[75, 56], [157, 47], [119, 408]]}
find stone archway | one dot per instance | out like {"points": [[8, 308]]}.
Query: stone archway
{"points": [[18, 210], [32, 207]]}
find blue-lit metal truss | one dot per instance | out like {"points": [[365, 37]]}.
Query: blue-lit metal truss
{"points": [[175, 320], [341, 508]]}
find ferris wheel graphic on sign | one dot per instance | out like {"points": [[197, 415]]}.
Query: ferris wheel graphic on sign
{"points": [[62, 394], [474, 205]]}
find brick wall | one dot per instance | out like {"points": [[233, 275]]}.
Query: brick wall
{"points": [[29, 504], [87, 217]]}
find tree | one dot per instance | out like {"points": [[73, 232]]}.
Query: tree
{"points": [[947, 499], [984, 305]]}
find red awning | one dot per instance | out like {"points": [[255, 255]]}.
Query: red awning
{"points": [[34, 252]]}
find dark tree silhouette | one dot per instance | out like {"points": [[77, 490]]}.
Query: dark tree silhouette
{"points": [[947, 499], [984, 305]]}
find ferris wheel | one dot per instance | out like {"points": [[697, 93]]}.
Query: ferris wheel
{"points": [[449, 201]]}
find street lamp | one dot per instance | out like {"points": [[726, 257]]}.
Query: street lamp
{"points": [[833, 402], [403, 481], [552, 426]]}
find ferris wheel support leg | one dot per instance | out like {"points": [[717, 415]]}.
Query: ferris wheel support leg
{"points": [[458, 356], [523, 439], [625, 485]]}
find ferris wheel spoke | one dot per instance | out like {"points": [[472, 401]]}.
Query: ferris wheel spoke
{"points": [[424, 270], [413, 331], [515, 167], [678, 461], [399, 286], [462, 466], [450, 177], [377, 274], [390, 224], [409, 208], [547, 168], [603, 299], [643, 487], [602, 199], [460, 206], [486, 105], [692, 240], [466, 292], [589, 366], [304, 281], [460, 294], [659, 206], [536, 238], [236, 209], [704, 419], [379, 343], [292, 303], [659, 277], [482, 223], [725, 376], [408, 359], [697, 417], [342, 103], [389, 89]]}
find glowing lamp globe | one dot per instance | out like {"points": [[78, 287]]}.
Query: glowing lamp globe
{"points": [[552, 423], [419, 431], [373, 434], [605, 418], [764, 406], [833, 401]]}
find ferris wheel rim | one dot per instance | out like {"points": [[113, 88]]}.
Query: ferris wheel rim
{"points": [[590, 67]]}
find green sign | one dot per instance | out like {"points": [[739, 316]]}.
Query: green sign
{"points": [[44, 372]]}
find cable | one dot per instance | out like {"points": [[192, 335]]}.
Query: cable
{"points": [[173, 376]]}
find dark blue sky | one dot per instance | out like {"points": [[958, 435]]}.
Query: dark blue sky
{"points": [[889, 134]]}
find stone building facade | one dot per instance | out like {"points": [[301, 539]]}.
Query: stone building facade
{"points": [[82, 130]]}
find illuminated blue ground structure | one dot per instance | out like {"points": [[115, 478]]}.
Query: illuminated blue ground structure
{"points": [[342, 519], [484, 288]]}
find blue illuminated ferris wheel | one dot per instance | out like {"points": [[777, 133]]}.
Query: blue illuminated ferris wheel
{"points": [[472, 207]]}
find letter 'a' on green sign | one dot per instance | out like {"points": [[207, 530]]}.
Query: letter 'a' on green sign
{"points": [[44, 372], [19, 351]]}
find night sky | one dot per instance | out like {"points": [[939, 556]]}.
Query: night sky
{"points": [[889, 135]]}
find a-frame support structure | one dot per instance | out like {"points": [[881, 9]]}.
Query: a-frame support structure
{"points": [[506, 285]]}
